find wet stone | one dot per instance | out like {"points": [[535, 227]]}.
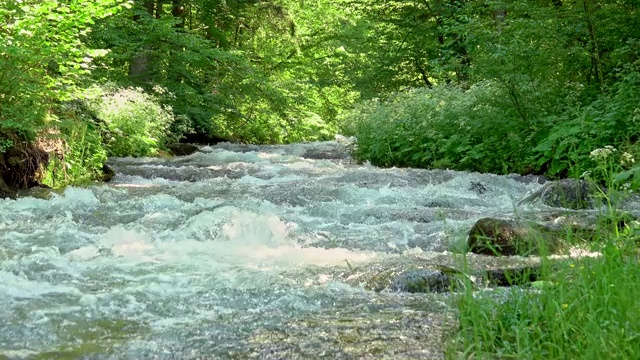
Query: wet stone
{"points": [[498, 237], [423, 281], [567, 193], [182, 149], [478, 188]]}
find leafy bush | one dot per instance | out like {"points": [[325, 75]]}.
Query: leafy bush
{"points": [[259, 122], [82, 156], [43, 58], [611, 120], [136, 123], [479, 129], [444, 127]]}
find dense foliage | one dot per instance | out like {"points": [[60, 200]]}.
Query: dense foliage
{"points": [[524, 86], [589, 317], [494, 86]]}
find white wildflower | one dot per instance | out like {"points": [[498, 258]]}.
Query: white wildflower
{"points": [[602, 153], [627, 159], [159, 89]]}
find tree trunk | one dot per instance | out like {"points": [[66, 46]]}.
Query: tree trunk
{"points": [[159, 12], [423, 74], [177, 10], [140, 65], [594, 49]]}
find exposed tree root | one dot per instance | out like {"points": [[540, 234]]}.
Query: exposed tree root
{"points": [[21, 166]]}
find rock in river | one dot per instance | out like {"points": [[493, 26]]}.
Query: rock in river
{"points": [[507, 237], [181, 149], [567, 193], [428, 280]]}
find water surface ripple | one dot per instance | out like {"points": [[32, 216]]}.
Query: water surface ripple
{"points": [[235, 252]]}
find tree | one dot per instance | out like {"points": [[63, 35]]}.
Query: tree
{"points": [[43, 57]]}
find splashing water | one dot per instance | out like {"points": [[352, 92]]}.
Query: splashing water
{"points": [[236, 251]]}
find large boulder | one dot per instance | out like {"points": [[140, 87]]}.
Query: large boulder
{"points": [[507, 237], [182, 149], [567, 193]]}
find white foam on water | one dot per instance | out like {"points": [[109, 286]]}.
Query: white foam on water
{"points": [[244, 238], [225, 253], [298, 255], [220, 157], [20, 287], [299, 165]]}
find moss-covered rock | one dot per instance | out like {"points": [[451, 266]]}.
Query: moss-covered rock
{"points": [[507, 237], [428, 280], [181, 149], [567, 193], [107, 173]]}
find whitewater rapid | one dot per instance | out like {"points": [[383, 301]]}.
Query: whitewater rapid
{"points": [[236, 251]]}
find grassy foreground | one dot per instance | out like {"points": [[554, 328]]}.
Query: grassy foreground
{"points": [[588, 308]]}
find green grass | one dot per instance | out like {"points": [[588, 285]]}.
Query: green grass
{"points": [[588, 308]]}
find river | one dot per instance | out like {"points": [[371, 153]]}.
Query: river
{"points": [[236, 252]]}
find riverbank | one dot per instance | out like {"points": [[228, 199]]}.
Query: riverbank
{"points": [[586, 309]]}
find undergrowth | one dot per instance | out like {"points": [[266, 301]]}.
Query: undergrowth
{"points": [[480, 129], [588, 311], [585, 308]]}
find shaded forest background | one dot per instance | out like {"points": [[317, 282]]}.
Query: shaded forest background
{"points": [[494, 86]]}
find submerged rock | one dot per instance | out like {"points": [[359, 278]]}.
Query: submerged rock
{"points": [[528, 179], [513, 276], [182, 149], [478, 188], [567, 193], [507, 237], [42, 192], [425, 278], [107, 173], [428, 280]]}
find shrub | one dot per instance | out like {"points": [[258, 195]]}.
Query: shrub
{"points": [[443, 127], [81, 156], [136, 123], [612, 120]]}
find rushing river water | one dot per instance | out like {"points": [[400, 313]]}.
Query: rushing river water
{"points": [[236, 252]]}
